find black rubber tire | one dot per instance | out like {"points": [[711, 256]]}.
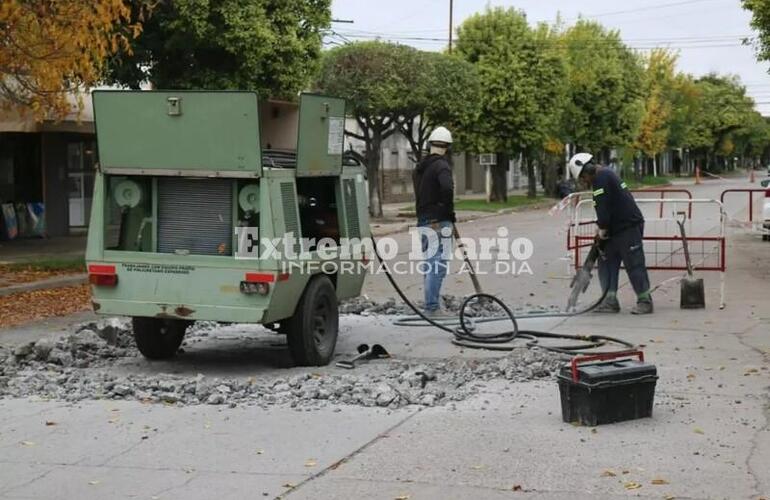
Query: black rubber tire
{"points": [[312, 331], [158, 338]]}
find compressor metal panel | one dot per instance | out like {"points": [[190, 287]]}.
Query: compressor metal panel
{"points": [[321, 135], [178, 133], [195, 216]]}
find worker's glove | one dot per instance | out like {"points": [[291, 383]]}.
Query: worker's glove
{"points": [[602, 234]]}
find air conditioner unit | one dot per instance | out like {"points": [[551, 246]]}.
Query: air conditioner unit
{"points": [[488, 159]]}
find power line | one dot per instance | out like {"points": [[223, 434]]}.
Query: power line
{"points": [[641, 9], [406, 35], [650, 44]]}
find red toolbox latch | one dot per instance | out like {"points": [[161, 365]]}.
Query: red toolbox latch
{"points": [[601, 357]]}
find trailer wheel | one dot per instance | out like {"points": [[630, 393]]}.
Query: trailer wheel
{"points": [[158, 338], [312, 331]]}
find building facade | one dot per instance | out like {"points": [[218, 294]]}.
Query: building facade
{"points": [[49, 165]]}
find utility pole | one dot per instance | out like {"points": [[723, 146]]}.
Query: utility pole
{"points": [[451, 12]]}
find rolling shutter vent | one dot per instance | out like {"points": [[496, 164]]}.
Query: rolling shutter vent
{"points": [[195, 216], [290, 220], [351, 208], [289, 208]]}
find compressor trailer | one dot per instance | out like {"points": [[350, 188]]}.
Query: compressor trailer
{"points": [[189, 186]]}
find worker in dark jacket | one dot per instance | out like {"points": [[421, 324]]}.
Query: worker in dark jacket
{"points": [[434, 194], [621, 224]]}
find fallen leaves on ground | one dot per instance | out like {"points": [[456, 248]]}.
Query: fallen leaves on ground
{"points": [[402, 497], [698, 430], [609, 473], [311, 463], [49, 423], [659, 482], [23, 307], [632, 485], [15, 275]]}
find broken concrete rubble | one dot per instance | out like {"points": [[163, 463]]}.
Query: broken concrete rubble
{"points": [[76, 367]]}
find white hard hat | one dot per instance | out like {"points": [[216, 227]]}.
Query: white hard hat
{"points": [[440, 134], [577, 162]]}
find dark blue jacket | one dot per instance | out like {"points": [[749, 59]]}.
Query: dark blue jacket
{"points": [[616, 209]]}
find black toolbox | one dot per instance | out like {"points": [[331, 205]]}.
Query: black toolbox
{"points": [[612, 390]]}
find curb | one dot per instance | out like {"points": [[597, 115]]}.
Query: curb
{"points": [[56, 282]]}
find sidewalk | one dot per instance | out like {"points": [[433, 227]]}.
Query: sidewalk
{"points": [[63, 248], [399, 217]]}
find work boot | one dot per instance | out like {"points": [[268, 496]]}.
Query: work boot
{"points": [[610, 304], [434, 314], [642, 307]]}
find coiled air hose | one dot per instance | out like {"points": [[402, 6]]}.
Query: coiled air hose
{"points": [[465, 335]]}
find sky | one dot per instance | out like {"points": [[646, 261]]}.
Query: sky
{"points": [[706, 34]]}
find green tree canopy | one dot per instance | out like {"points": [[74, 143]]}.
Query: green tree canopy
{"points": [[521, 75], [659, 85], [604, 81], [685, 103], [270, 46], [445, 91], [376, 79], [760, 21], [724, 116]]}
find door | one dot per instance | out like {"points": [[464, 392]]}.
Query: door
{"points": [[321, 135], [80, 182], [196, 133]]}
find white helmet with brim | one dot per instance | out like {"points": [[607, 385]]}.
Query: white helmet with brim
{"points": [[440, 135], [577, 162]]}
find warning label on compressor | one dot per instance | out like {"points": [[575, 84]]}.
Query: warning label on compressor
{"points": [[336, 136], [158, 268]]}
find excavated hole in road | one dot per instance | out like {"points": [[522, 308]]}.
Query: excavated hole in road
{"points": [[80, 366]]}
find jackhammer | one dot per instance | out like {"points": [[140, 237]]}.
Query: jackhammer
{"points": [[583, 276]]}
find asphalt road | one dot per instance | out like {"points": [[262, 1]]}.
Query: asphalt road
{"points": [[708, 437]]}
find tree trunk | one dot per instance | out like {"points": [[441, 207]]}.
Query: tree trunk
{"points": [[654, 165], [499, 191], [373, 153], [408, 127], [531, 179], [551, 174]]}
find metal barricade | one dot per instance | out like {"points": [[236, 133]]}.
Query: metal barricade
{"points": [[751, 192], [664, 252], [662, 198]]}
